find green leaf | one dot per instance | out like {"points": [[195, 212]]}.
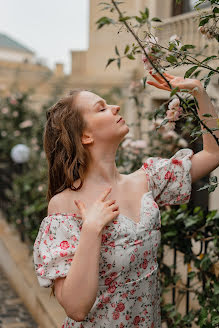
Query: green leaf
{"points": [[215, 320], [104, 21], [117, 51], [156, 19], [190, 71], [216, 288], [216, 10], [164, 121], [208, 58], [138, 19], [171, 59], [119, 63], [204, 21], [205, 262], [203, 317], [191, 274], [144, 81], [207, 115], [109, 62], [123, 19], [130, 56], [187, 46], [126, 49], [174, 91], [146, 13]]}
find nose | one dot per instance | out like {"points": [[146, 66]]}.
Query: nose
{"points": [[115, 109]]}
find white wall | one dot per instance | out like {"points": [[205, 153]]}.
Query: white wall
{"points": [[15, 56]]}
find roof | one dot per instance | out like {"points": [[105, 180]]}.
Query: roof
{"points": [[7, 42]]}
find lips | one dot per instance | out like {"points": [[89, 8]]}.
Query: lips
{"points": [[119, 119]]}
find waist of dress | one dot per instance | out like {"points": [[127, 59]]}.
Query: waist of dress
{"points": [[132, 282]]}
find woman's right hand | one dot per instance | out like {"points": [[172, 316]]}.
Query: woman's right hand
{"points": [[101, 212]]}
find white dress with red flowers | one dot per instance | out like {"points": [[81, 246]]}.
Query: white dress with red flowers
{"points": [[129, 292]]}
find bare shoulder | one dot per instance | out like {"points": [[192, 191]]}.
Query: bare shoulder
{"points": [[59, 203], [138, 174], [138, 178]]}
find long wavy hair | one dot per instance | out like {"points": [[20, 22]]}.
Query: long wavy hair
{"points": [[67, 157]]}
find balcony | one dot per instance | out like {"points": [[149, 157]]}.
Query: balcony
{"points": [[186, 27]]}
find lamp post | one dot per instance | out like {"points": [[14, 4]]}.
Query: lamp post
{"points": [[20, 154]]}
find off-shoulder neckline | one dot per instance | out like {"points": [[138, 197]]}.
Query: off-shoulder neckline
{"points": [[77, 216]]}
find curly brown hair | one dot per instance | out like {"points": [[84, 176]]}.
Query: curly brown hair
{"points": [[67, 157]]}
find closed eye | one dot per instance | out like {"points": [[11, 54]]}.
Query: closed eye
{"points": [[102, 109]]}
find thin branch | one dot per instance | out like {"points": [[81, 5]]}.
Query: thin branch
{"points": [[157, 70]]}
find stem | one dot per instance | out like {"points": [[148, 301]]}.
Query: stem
{"points": [[157, 70]]}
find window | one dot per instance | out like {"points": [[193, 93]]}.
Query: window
{"points": [[186, 6]]}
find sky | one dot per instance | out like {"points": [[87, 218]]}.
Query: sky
{"points": [[51, 28]]}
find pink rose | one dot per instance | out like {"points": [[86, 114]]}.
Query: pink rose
{"points": [[108, 281], [175, 103], [47, 228], [137, 319], [111, 289], [145, 264], [120, 307], [116, 315], [64, 244], [177, 162], [62, 254]]}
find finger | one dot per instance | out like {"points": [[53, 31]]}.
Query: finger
{"points": [[104, 194], [114, 207], [159, 86], [110, 202], [169, 76], [158, 78]]}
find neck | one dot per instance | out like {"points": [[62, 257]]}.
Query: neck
{"points": [[102, 169]]}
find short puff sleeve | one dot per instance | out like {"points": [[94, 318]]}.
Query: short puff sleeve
{"points": [[55, 246], [170, 179]]}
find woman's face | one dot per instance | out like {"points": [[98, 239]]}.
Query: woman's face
{"points": [[102, 120]]}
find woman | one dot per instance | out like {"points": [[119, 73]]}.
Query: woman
{"points": [[97, 247]]}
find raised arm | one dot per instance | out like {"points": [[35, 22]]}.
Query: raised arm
{"points": [[206, 160]]}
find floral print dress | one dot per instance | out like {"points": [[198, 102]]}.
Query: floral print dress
{"points": [[129, 292]]}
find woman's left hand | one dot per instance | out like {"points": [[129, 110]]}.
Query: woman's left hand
{"points": [[192, 85]]}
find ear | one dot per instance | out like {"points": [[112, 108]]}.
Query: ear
{"points": [[86, 139]]}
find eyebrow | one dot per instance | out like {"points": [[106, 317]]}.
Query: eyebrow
{"points": [[100, 101]]}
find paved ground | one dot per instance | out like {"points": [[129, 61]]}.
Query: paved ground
{"points": [[13, 313]]}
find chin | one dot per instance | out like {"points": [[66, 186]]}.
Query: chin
{"points": [[126, 131]]}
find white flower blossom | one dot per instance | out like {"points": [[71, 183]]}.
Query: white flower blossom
{"points": [[176, 40], [182, 143], [174, 37], [174, 104]]}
